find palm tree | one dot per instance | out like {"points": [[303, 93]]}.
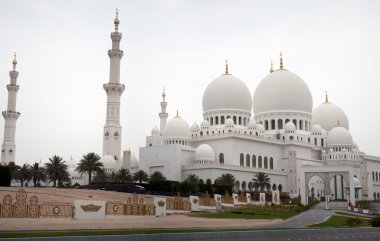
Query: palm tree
{"points": [[157, 176], [123, 175], [38, 174], [140, 176], [56, 170], [226, 179], [12, 169], [23, 174], [89, 164], [261, 180], [192, 178]]}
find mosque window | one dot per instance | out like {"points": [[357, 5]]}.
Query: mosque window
{"points": [[273, 124], [216, 120], [260, 162], [286, 121], [322, 142], [250, 185], [265, 162], [374, 195], [301, 125], [377, 177], [248, 160], [280, 187], [271, 163], [308, 139], [266, 125], [291, 138], [274, 187], [221, 158], [201, 133], [315, 141], [295, 123], [254, 161], [239, 120], [241, 159], [212, 121], [373, 176], [106, 134], [222, 120], [237, 185], [280, 124], [378, 195], [116, 133], [234, 119]]}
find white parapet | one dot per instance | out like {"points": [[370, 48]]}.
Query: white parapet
{"points": [[194, 200], [90, 209], [276, 197], [248, 195], [262, 198]]}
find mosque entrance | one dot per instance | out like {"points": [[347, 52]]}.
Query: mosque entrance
{"points": [[328, 186]]}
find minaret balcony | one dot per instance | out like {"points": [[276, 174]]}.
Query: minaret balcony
{"points": [[114, 87], [10, 114], [12, 87], [115, 53]]}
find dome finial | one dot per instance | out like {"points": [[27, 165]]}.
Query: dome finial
{"points": [[338, 124], [326, 97], [116, 21], [281, 61], [163, 94], [177, 116], [226, 67], [271, 67], [14, 62]]}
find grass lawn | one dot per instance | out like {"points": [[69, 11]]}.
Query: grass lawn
{"points": [[339, 222], [251, 213]]}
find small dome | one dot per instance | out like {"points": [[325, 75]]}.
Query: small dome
{"points": [[260, 127], [328, 114], [339, 136], [290, 127], [252, 124], [205, 124], [204, 152], [155, 131], [227, 93], [331, 150], [316, 129], [282, 91], [108, 162], [230, 123], [194, 127], [177, 128]]}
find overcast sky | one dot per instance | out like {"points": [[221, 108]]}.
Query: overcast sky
{"points": [[62, 54]]}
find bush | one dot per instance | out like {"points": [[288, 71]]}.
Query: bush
{"points": [[353, 222], [375, 221], [5, 176], [363, 204]]}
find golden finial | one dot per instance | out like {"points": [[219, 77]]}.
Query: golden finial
{"points": [[163, 94], [14, 62], [226, 67], [177, 116], [281, 61], [271, 67], [116, 21], [338, 123], [326, 97]]}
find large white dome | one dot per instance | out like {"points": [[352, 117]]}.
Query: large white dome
{"points": [[281, 91], [108, 162], [327, 116], [204, 152], [177, 128], [339, 136], [227, 93]]}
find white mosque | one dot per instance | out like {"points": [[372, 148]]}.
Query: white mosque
{"points": [[305, 151]]}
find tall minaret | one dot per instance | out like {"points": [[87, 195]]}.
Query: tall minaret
{"points": [[114, 90], [163, 115], [8, 149]]}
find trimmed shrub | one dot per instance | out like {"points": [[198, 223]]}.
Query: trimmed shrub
{"points": [[375, 221], [354, 222]]}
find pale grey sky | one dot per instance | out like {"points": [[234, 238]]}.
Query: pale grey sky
{"points": [[62, 54]]}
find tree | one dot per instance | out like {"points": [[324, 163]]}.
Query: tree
{"points": [[261, 180], [140, 176], [5, 176], [226, 179], [38, 174], [157, 176], [123, 175], [56, 171], [23, 174], [192, 179], [89, 164]]}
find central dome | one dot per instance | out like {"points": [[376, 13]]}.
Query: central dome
{"points": [[282, 91], [227, 93]]}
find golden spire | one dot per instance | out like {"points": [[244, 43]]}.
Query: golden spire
{"points": [[326, 97], [116, 21], [177, 116], [281, 61], [163, 94], [226, 67], [14, 62], [271, 67]]}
